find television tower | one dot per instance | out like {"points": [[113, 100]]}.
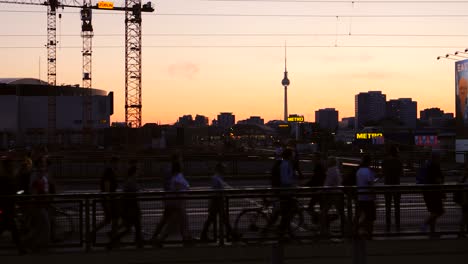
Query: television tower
{"points": [[285, 83]]}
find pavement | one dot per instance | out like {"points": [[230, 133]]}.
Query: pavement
{"points": [[449, 251]]}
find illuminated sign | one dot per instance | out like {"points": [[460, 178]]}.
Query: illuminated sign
{"points": [[368, 135], [426, 140], [373, 137], [283, 126], [105, 5], [296, 119], [461, 95]]}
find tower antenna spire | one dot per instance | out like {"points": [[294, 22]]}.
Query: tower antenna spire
{"points": [[285, 57], [285, 82]]}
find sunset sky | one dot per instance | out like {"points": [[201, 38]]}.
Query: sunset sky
{"points": [[335, 50]]}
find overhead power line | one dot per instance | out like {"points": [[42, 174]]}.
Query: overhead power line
{"points": [[263, 15], [251, 35], [350, 1], [249, 46]]}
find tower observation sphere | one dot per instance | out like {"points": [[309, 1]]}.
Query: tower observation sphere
{"points": [[285, 81]]}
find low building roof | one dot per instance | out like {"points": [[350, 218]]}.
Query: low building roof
{"points": [[22, 81]]}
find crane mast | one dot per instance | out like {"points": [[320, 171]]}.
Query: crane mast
{"points": [[133, 103], [51, 70], [87, 36], [133, 63]]}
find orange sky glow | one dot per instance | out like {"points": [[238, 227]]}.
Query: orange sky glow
{"points": [[330, 58]]}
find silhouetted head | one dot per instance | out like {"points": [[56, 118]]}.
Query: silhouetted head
{"points": [[435, 157], [220, 168], [287, 154], [393, 151], [366, 160], [331, 162], [176, 167], [7, 165]]}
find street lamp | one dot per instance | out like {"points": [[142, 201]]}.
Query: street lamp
{"points": [[457, 53], [446, 57]]}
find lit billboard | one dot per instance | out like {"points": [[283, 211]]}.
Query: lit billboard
{"points": [[461, 97], [296, 119], [426, 140], [105, 5], [375, 138]]}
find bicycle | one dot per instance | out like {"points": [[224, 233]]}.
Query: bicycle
{"points": [[257, 223]]}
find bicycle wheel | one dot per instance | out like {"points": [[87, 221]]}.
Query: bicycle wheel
{"points": [[250, 223], [297, 224]]}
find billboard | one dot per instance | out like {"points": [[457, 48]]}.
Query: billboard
{"points": [[295, 119], [461, 93], [375, 138], [426, 140]]}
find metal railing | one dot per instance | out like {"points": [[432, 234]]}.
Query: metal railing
{"points": [[247, 215]]}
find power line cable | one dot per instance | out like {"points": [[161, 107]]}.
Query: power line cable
{"points": [[250, 35], [248, 46], [265, 15], [350, 1]]}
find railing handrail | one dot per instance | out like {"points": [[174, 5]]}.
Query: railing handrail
{"points": [[447, 187]]}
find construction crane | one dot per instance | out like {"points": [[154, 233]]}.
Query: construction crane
{"points": [[133, 47]]}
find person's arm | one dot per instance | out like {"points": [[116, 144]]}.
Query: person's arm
{"points": [[371, 179]]}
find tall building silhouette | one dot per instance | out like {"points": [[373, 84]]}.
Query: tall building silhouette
{"points": [[226, 120], [403, 109], [369, 106], [285, 83], [327, 118]]}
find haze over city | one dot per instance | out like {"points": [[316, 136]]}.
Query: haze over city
{"points": [[228, 56]]}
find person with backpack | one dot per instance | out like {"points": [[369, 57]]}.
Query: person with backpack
{"points": [[366, 208]]}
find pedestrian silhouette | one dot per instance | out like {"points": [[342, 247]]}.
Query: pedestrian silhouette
{"points": [[215, 207], [392, 172]]}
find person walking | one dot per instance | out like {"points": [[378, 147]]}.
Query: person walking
{"points": [[287, 202], [317, 179], [392, 172], [332, 198], [39, 235], [461, 198], [7, 205], [433, 198], [366, 211], [110, 205], [131, 213], [215, 208], [175, 213]]}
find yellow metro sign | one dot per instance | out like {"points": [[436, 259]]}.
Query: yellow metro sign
{"points": [[105, 5], [368, 135], [296, 119]]}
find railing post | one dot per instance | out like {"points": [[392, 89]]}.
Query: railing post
{"points": [[81, 224], [87, 227], [277, 253], [359, 251], [221, 218], [93, 222], [349, 209]]}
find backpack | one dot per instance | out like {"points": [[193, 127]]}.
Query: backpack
{"points": [[349, 178], [421, 174], [461, 197], [276, 174]]}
